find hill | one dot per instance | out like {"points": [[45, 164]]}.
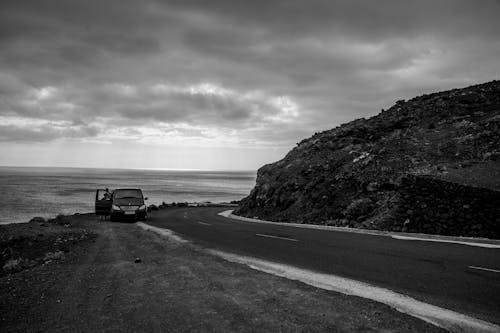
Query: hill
{"points": [[430, 164]]}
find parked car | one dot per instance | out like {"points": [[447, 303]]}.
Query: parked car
{"points": [[121, 204]]}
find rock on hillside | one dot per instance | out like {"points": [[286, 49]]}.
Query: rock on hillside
{"points": [[358, 174]]}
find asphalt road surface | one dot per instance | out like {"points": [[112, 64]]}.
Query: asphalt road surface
{"points": [[454, 276]]}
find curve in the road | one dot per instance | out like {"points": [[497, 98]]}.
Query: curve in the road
{"points": [[435, 273]]}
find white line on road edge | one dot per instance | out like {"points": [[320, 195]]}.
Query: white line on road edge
{"points": [[277, 237], [488, 246], [203, 223], [488, 243], [164, 232], [450, 320], [226, 213], [485, 269]]}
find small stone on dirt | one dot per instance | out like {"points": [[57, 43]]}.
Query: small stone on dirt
{"points": [[137, 260]]}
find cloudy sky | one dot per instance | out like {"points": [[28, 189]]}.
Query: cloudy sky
{"points": [[220, 84]]}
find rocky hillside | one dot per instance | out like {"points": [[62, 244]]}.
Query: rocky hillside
{"points": [[363, 173]]}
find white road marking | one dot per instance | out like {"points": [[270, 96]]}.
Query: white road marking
{"points": [[203, 223], [226, 213], [161, 231], [448, 319], [277, 237], [488, 246], [485, 269]]}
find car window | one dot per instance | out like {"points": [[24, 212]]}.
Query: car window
{"points": [[121, 194]]}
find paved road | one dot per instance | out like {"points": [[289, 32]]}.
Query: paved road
{"points": [[449, 275]]}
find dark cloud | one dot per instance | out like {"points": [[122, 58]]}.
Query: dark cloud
{"points": [[275, 71], [365, 20]]}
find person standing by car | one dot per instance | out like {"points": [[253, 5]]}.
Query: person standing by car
{"points": [[103, 202], [107, 194]]}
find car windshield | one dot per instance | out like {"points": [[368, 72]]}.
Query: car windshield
{"points": [[122, 194]]}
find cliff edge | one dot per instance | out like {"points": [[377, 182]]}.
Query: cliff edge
{"points": [[430, 164]]}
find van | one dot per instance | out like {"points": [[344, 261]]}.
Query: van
{"points": [[121, 204]]}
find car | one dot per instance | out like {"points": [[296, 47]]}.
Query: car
{"points": [[121, 204]]}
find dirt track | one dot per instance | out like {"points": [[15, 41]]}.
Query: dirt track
{"points": [[176, 287]]}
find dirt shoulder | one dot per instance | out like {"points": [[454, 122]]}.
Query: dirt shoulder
{"points": [[97, 285]]}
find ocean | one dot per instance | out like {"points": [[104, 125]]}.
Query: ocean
{"points": [[26, 192]]}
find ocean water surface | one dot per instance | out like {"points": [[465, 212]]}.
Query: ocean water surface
{"points": [[28, 192]]}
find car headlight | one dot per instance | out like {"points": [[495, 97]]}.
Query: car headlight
{"points": [[143, 207], [115, 207]]}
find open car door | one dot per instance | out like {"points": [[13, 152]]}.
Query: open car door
{"points": [[102, 203]]}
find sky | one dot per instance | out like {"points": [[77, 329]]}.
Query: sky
{"points": [[220, 84]]}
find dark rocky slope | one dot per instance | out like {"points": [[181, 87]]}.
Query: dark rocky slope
{"points": [[430, 164]]}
